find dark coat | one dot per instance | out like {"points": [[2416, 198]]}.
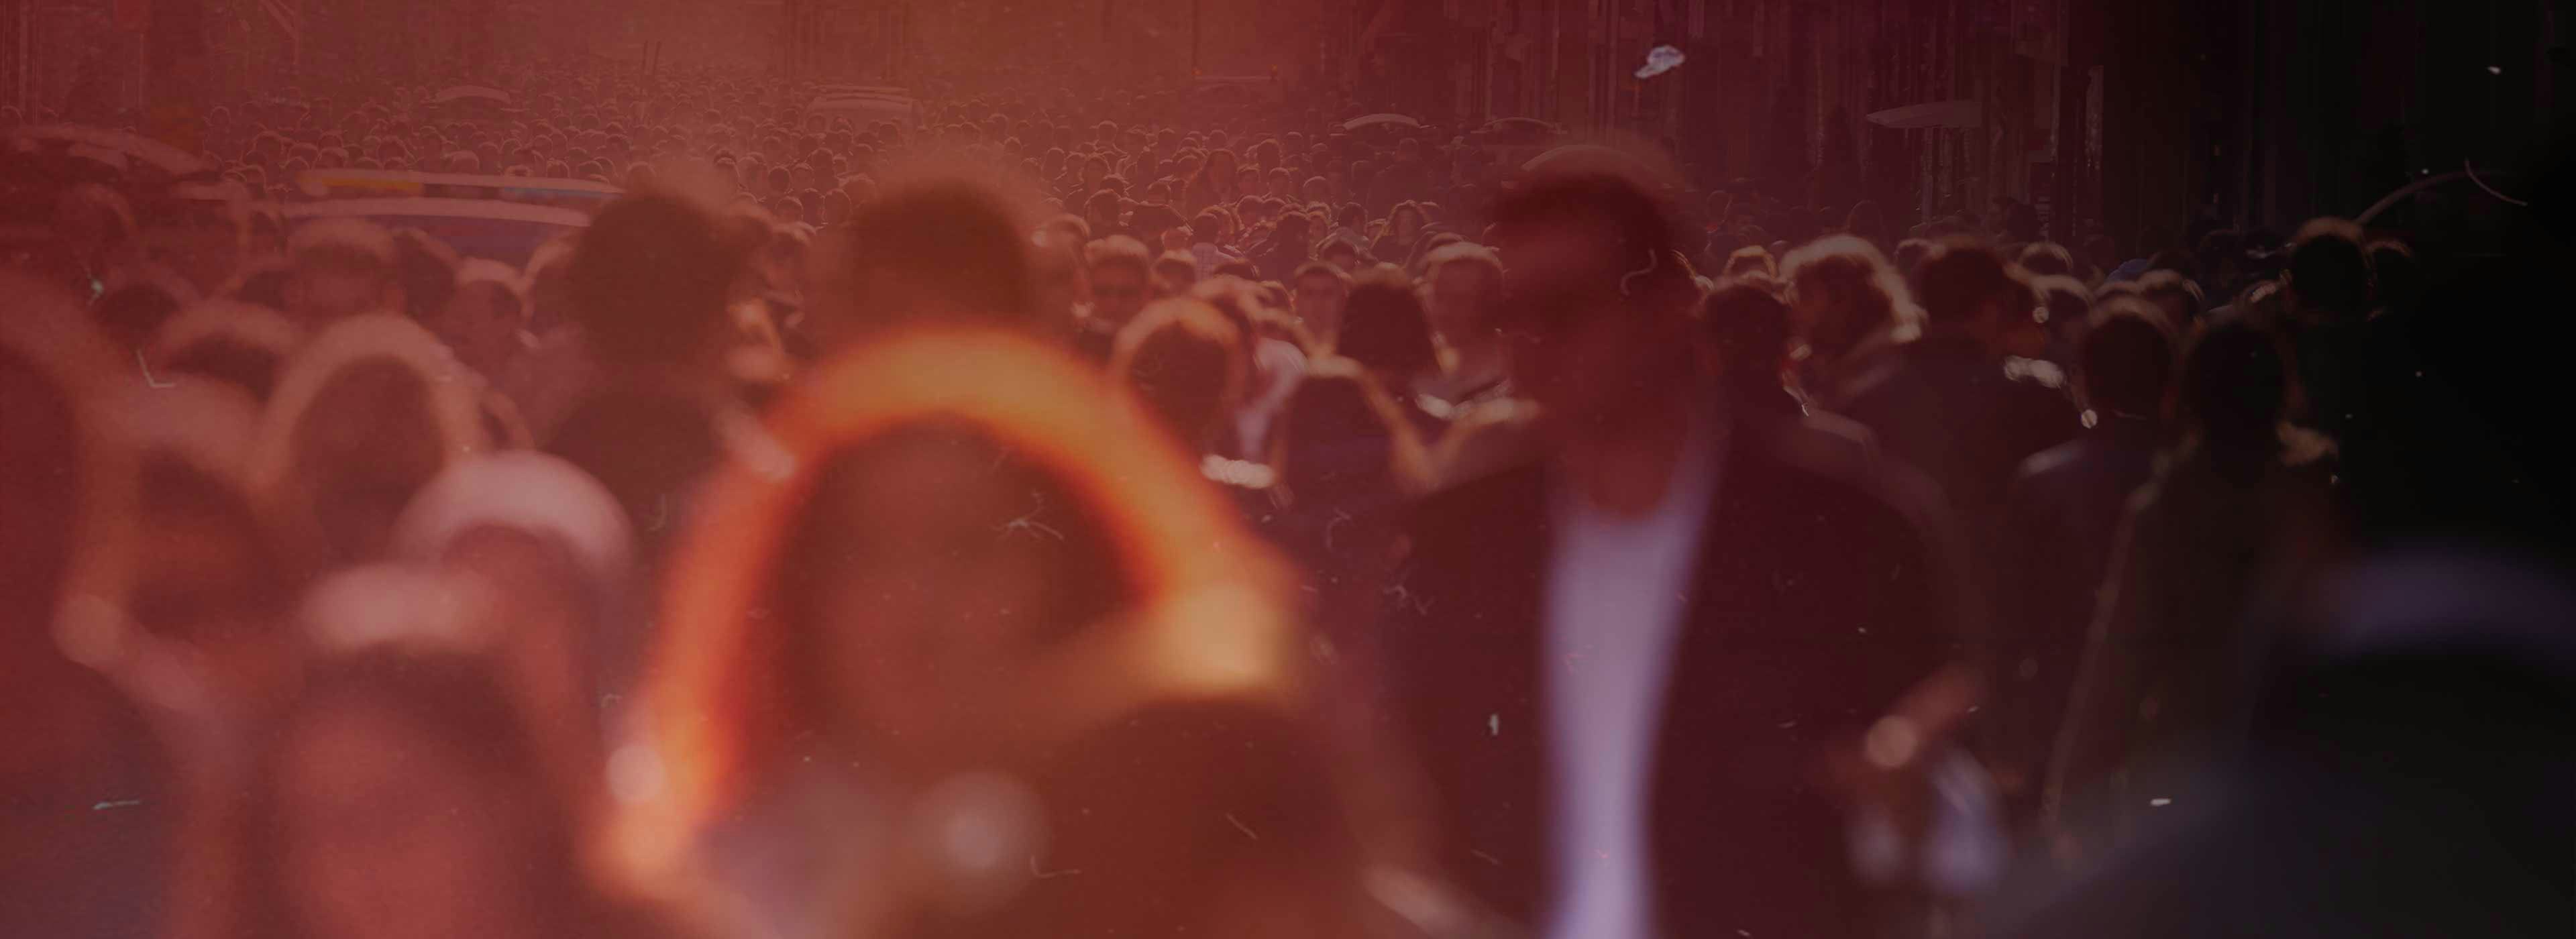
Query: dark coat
{"points": [[1815, 604]]}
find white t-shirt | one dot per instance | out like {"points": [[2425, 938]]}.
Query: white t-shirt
{"points": [[1617, 589]]}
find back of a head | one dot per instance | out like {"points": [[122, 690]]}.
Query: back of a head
{"points": [[1749, 326], [1853, 289], [649, 277], [1750, 259], [2177, 294], [2396, 277], [2329, 272], [1384, 327], [2235, 386], [2126, 358], [1960, 279], [1185, 360], [1338, 434], [941, 250], [2046, 259]]}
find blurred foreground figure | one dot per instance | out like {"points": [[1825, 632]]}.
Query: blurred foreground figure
{"points": [[85, 790], [2405, 773], [1626, 668], [980, 654]]}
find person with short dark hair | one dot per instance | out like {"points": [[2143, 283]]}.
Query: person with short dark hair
{"points": [[1386, 332], [1187, 364], [2062, 521], [1318, 294], [1948, 406], [2239, 513], [1658, 523], [1462, 293]]}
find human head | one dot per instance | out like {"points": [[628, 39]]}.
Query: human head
{"points": [[486, 316], [648, 281], [1186, 362], [2046, 259], [1600, 300], [340, 268], [1747, 329], [1464, 282], [1748, 260], [2232, 387], [1965, 286], [426, 747], [2329, 275], [945, 250], [2126, 359], [1177, 271], [1120, 280], [1842, 291], [2174, 293], [1318, 292], [364, 415], [1385, 330]]}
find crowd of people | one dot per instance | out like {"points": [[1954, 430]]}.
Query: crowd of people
{"points": [[1053, 514]]}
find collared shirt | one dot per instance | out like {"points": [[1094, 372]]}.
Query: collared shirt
{"points": [[1616, 602]]}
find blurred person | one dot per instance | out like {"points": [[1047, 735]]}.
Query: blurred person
{"points": [[363, 416], [1120, 283], [427, 269], [1748, 334], [341, 268], [1946, 404], [935, 673], [1385, 330], [939, 250], [414, 766], [1464, 287], [1286, 251], [2174, 293], [228, 342], [554, 552], [87, 790], [1186, 364], [1566, 657], [2063, 517], [486, 316], [137, 301], [2399, 762], [2046, 259], [648, 285], [2069, 304], [1176, 272], [1273, 365], [1319, 293], [1851, 312], [1750, 259], [2236, 517], [1404, 224]]}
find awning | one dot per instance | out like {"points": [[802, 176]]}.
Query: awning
{"points": [[1960, 112]]}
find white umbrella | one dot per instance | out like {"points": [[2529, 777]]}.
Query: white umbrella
{"points": [[1376, 120]]}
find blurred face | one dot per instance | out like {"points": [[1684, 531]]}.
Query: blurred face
{"points": [[1319, 301], [319, 294], [363, 451], [1117, 293], [1459, 295], [483, 321], [1591, 358], [538, 587], [945, 577], [386, 837]]}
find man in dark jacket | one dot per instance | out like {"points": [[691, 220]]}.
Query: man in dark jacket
{"points": [[1623, 669], [1946, 405]]}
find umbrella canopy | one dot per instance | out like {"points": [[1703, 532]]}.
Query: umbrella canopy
{"points": [[1380, 120], [1587, 158], [99, 143], [471, 93], [1957, 113]]}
